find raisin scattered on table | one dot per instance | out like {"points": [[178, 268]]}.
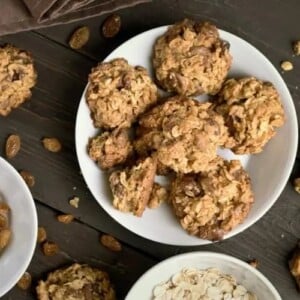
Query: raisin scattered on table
{"points": [[13, 145], [79, 37], [111, 26], [110, 242]]}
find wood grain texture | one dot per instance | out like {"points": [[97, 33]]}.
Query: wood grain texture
{"points": [[51, 112]]}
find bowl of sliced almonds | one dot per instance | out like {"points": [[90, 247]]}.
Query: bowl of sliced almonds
{"points": [[203, 275], [18, 226]]}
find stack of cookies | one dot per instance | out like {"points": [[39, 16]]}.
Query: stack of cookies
{"points": [[143, 135]]}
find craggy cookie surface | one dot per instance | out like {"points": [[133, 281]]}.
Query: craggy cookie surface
{"points": [[252, 111], [77, 282], [211, 204], [131, 187], [17, 77], [184, 133], [117, 93], [109, 149], [191, 59]]}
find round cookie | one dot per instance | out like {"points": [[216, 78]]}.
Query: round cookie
{"points": [[211, 204], [17, 77], [117, 93], [191, 59], [183, 133], [252, 111], [76, 282]]}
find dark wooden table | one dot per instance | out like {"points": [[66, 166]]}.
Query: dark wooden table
{"points": [[270, 25]]}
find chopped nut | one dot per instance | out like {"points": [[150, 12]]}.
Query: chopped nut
{"points": [[253, 263], [294, 265], [297, 185], [13, 145], [52, 144], [79, 37], [24, 282], [74, 202], [111, 26], [66, 219], [296, 48], [50, 248], [28, 178], [42, 235], [287, 65], [111, 243], [4, 237]]}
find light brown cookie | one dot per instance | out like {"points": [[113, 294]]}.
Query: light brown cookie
{"points": [[183, 133], [77, 282], [252, 111], [17, 77], [118, 92], [211, 204], [131, 187], [110, 148], [191, 59]]}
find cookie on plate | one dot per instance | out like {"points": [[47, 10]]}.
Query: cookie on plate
{"points": [[131, 187], [183, 133], [17, 77], [191, 58], [252, 111], [110, 148], [212, 203], [77, 282], [118, 92]]}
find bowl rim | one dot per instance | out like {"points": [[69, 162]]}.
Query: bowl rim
{"points": [[203, 255], [285, 172], [31, 205]]}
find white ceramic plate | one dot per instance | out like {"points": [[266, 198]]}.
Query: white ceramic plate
{"points": [[269, 170], [246, 275], [15, 258]]}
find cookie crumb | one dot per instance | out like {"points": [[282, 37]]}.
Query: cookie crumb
{"points": [[287, 65], [159, 194], [41, 235], [65, 218], [74, 188], [254, 263], [28, 178], [297, 185], [50, 248], [5, 235], [52, 144], [296, 48], [110, 243], [294, 265], [24, 282], [74, 202]]}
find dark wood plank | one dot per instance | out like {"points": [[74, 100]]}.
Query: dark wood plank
{"points": [[80, 243]]}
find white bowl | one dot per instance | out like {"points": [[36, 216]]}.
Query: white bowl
{"points": [[269, 170], [245, 274], [15, 258]]}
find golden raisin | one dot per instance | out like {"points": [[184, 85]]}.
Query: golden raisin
{"points": [[111, 26], [28, 178], [52, 144], [24, 282], [79, 37], [42, 235], [13, 145], [66, 219], [50, 248], [110, 242]]}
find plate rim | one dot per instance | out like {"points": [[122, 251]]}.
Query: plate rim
{"points": [[202, 255], [291, 159], [34, 222]]}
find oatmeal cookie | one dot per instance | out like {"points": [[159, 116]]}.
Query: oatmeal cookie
{"points": [[77, 282], [183, 133], [211, 204], [117, 93], [131, 188], [159, 194], [110, 148], [252, 111], [17, 77], [191, 59]]}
